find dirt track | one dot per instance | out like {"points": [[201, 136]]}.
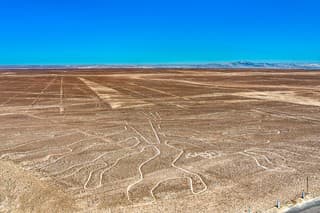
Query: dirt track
{"points": [[157, 140]]}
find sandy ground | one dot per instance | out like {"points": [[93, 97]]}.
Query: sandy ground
{"points": [[157, 140]]}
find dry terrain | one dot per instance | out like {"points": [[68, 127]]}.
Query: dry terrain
{"points": [[159, 140]]}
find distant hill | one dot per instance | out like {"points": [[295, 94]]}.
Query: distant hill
{"points": [[228, 65]]}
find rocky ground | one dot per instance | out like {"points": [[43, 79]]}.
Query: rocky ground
{"points": [[157, 140]]}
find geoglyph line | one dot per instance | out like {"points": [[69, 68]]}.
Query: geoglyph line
{"points": [[68, 154], [33, 151], [34, 141], [162, 181], [99, 157], [140, 171], [61, 108], [113, 97], [253, 153], [158, 91], [158, 114], [43, 90], [136, 131], [278, 166], [281, 96], [84, 165], [76, 165], [12, 97], [104, 93], [155, 132], [95, 97], [187, 171], [255, 159], [154, 117], [114, 164]]}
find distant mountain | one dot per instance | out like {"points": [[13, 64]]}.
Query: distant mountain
{"points": [[248, 64], [230, 65]]}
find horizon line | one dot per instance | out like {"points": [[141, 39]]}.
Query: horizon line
{"points": [[222, 65]]}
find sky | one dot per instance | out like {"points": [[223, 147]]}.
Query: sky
{"points": [[158, 31]]}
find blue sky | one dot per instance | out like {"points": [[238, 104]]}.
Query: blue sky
{"points": [[158, 31]]}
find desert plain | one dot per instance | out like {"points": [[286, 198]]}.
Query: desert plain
{"points": [[158, 140]]}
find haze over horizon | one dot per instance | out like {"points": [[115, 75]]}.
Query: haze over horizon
{"points": [[158, 32]]}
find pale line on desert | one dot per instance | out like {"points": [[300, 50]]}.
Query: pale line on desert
{"points": [[280, 156], [274, 169], [94, 136], [159, 91], [103, 92], [306, 148], [161, 181], [61, 108], [71, 167], [113, 97], [89, 177], [155, 118], [117, 161], [97, 100], [184, 142], [146, 140], [11, 98], [274, 153], [146, 115], [35, 116], [41, 160], [125, 140], [140, 171], [113, 165], [137, 105], [281, 96], [35, 141], [98, 144], [34, 151], [105, 125], [179, 106], [257, 162], [188, 82], [43, 90], [69, 153], [20, 92], [153, 99], [86, 148], [306, 162], [185, 170], [27, 109], [249, 151], [206, 154], [9, 113], [158, 114], [144, 97], [84, 165], [107, 169], [154, 132], [293, 153], [111, 134], [284, 115], [149, 116], [134, 92], [300, 161]]}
